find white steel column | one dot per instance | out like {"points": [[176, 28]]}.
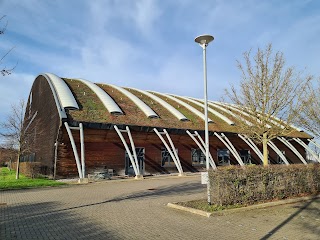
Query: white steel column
{"points": [[292, 148], [256, 147], [252, 145], [230, 147], [173, 148], [276, 149], [212, 163], [74, 148], [307, 148], [55, 159], [316, 144], [82, 150], [132, 160], [206, 125], [203, 41], [172, 151], [133, 147], [201, 146]]}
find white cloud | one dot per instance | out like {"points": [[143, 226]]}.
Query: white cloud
{"points": [[145, 15], [148, 44], [108, 16]]}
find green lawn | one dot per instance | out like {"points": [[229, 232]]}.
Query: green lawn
{"points": [[8, 181]]}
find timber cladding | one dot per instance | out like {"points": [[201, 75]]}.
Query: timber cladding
{"points": [[104, 150], [45, 125]]}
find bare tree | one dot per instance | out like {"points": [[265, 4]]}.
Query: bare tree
{"points": [[309, 117], [4, 70], [17, 135], [11, 130], [270, 93], [7, 155]]}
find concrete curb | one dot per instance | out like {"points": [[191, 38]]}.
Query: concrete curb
{"points": [[188, 209], [241, 209]]}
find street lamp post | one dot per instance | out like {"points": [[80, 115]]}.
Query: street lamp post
{"points": [[203, 41]]}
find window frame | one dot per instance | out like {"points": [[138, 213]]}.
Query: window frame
{"points": [[278, 159], [243, 157], [169, 163], [200, 157], [223, 162]]}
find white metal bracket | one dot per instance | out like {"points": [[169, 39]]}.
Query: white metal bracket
{"points": [[307, 148], [132, 154], [201, 146], [223, 138], [33, 117], [172, 150], [80, 165], [280, 154], [252, 145], [292, 148]]}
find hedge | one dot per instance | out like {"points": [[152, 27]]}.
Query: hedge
{"points": [[251, 184], [30, 169]]}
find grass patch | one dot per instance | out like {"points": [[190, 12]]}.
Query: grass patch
{"points": [[203, 205], [8, 181]]}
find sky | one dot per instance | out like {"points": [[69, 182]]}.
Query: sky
{"points": [[149, 44]]}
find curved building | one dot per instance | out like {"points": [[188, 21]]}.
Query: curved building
{"points": [[76, 127]]}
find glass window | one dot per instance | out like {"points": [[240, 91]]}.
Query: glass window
{"points": [[197, 156], [223, 157], [140, 157], [166, 159], [28, 158], [245, 156], [279, 160]]}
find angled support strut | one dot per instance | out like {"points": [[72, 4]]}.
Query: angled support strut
{"points": [[230, 147], [252, 145], [80, 165], [171, 149], [292, 148], [132, 154], [307, 148], [201, 146]]}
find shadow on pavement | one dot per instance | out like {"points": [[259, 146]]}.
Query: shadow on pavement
{"points": [[307, 210], [45, 221], [49, 220], [178, 189]]}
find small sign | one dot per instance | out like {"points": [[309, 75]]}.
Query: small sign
{"points": [[204, 178]]}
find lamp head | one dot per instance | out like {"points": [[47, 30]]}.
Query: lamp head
{"points": [[204, 40]]}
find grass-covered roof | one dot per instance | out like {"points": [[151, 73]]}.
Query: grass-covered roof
{"points": [[93, 110]]}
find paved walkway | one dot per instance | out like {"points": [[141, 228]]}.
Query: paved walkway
{"points": [[136, 209]]}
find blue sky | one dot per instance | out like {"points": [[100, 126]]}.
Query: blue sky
{"points": [[149, 44]]}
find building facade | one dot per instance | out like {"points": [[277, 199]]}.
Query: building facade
{"points": [[81, 127]]}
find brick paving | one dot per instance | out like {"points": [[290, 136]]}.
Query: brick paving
{"points": [[136, 209]]}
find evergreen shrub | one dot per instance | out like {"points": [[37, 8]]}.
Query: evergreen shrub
{"points": [[252, 184]]}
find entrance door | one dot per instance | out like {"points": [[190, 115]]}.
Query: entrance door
{"points": [[128, 166]]}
